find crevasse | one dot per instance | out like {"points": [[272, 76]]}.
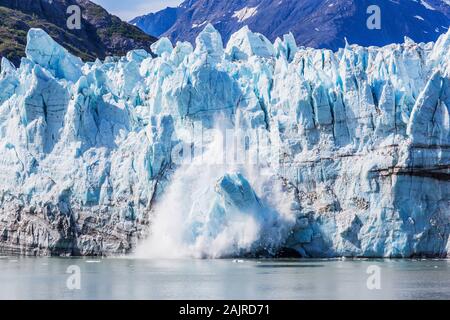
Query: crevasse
{"points": [[346, 153]]}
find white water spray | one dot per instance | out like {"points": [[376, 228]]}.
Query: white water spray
{"points": [[200, 216]]}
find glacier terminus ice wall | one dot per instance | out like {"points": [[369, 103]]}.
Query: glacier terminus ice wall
{"points": [[334, 154]]}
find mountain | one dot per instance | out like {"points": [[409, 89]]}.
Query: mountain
{"points": [[101, 34], [440, 5], [225, 152], [314, 23]]}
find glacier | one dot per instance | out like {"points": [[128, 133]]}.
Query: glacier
{"points": [[252, 149]]}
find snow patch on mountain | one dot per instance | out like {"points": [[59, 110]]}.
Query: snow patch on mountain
{"points": [[427, 5], [245, 13], [330, 21]]}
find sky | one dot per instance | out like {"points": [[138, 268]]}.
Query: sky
{"points": [[128, 9]]}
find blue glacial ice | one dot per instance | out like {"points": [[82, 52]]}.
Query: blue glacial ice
{"points": [[216, 152]]}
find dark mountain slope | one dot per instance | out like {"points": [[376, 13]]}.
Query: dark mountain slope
{"points": [[101, 34], [316, 23]]}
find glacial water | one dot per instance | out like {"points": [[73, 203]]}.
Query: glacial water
{"points": [[47, 278]]}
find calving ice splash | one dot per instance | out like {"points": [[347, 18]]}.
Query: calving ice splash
{"points": [[344, 154], [222, 202]]}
